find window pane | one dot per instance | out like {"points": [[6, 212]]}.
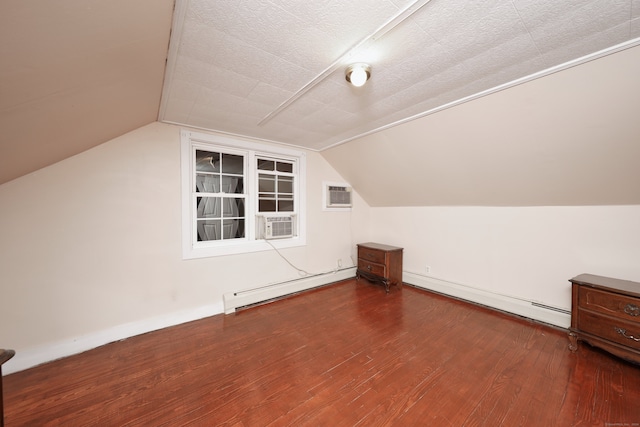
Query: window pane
{"points": [[232, 163], [285, 167], [233, 207], [285, 184], [233, 228], [267, 183], [267, 205], [207, 183], [285, 205], [209, 207], [207, 161], [232, 184], [266, 165], [209, 230]]}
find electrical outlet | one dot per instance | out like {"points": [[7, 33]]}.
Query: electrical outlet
{"points": [[427, 269]]}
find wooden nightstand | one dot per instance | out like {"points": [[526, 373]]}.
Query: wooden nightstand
{"points": [[5, 355], [380, 263], [605, 313]]}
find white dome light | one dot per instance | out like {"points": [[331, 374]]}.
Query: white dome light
{"points": [[358, 74]]}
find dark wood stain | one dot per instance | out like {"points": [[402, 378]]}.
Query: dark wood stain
{"points": [[344, 355]]}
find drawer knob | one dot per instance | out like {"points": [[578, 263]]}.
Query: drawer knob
{"points": [[632, 310], [623, 332], [369, 267]]}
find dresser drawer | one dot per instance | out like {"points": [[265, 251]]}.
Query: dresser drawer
{"points": [[372, 255], [615, 330], [620, 306], [372, 267]]}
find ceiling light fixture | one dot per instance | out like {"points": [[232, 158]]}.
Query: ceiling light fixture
{"points": [[358, 74]]}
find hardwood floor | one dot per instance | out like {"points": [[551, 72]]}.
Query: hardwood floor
{"points": [[344, 355]]}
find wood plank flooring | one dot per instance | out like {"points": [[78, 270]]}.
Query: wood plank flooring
{"points": [[344, 355]]}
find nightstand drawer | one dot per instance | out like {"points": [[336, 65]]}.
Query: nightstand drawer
{"points": [[609, 303], [621, 332], [372, 267], [371, 255]]}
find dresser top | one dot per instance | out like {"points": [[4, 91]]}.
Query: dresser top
{"points": [[4, 356], [616, 285], [379, 246]]}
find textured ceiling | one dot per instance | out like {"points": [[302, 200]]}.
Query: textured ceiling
{"points": [[275, 69]]}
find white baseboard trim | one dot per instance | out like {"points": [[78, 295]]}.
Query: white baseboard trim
{"points": [[29, 357], [500, 302], [237, 299]]}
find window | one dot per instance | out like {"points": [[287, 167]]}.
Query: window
{"points": [[230, 186], [275, 185]]}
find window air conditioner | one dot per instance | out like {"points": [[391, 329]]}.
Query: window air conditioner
{"points": [[338, 196], [278, 226]]}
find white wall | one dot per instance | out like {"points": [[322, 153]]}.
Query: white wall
{"points": [[526, 253], [91, 249]]}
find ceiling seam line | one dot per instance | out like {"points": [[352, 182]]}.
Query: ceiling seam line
{"points": [[524, 24], [382, 30], [177, 28]]}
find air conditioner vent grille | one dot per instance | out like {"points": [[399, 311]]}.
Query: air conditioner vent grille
{"points": [[277, 227], [338, 196]]}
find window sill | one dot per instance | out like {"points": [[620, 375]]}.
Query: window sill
{"points": [[240, 248]]}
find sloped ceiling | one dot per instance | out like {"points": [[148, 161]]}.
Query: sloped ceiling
{"points": [[76, 73]]}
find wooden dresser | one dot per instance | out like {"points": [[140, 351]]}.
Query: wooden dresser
{"points": [[605, 313], [380, 263]]}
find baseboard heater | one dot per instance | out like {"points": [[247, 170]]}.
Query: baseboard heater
{"points": [[548, 307], [244, 298], [529, 309]]}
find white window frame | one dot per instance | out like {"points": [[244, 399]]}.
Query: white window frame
{"points": [[278, 193], [251, 242]]}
